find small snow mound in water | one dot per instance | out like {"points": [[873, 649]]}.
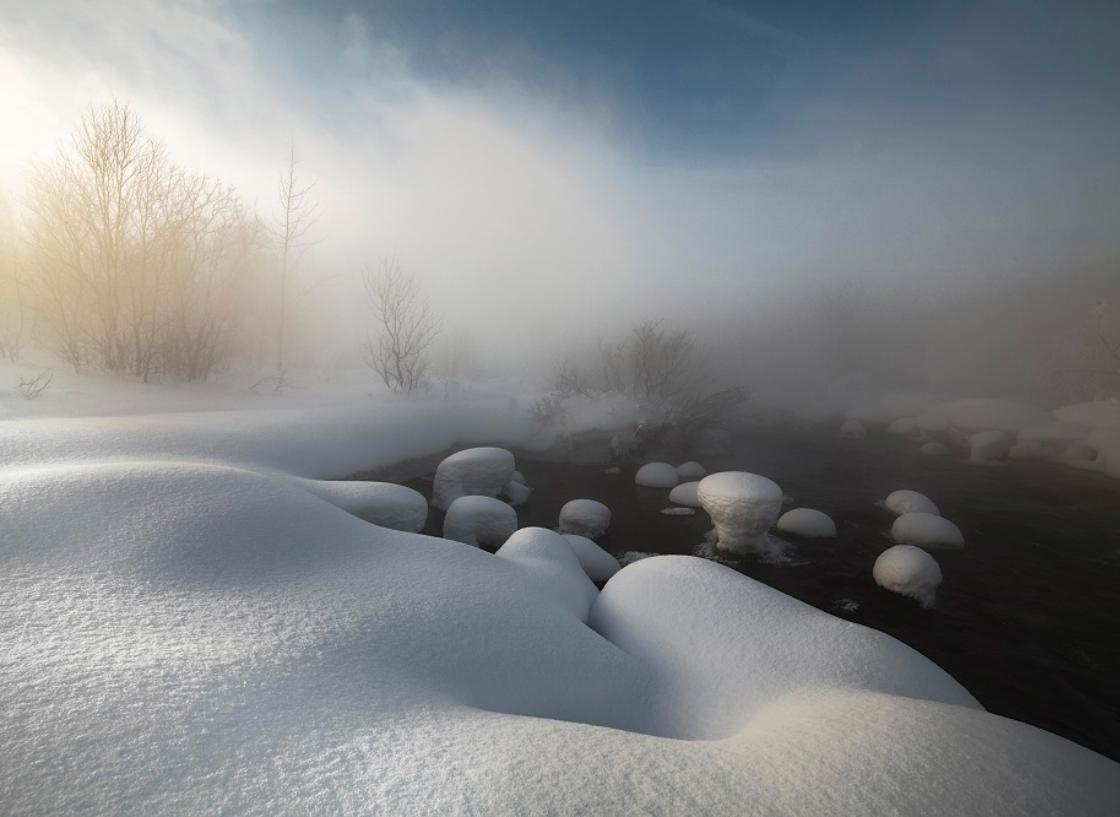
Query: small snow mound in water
{"points": [[853, 430], [612, 471], [989, 447], [585, 517], [933, 449], [481, 521], [807, 523], [927, 530], [909, 571], [656, 475], [691, 470], [743, 507], [900, 502], [678, 511], [685, 494], [548, 558], [597, 563], [472, 472], [382, 503]]}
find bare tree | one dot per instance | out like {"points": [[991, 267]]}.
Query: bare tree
{"points": [[398, 350], [298, 214], [12, 309], [661, 361]]}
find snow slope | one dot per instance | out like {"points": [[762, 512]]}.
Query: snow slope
{"points": [[190, 625]]}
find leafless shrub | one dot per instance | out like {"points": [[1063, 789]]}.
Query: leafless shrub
{"points": [[397, 350], [33, 387]]}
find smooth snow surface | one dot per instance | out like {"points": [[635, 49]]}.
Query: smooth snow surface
{"points": [[472, 472], [685, 494], [904, 501], [926, 530], [597, 563], [189, 627], [481, 521], [691, 470], [853, 430], [656, 475], [910, 571], [743, 507], [383, 503], [807, 523], [585, 517]]}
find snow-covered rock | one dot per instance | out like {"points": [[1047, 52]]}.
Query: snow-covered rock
{"points": [[518, 492], [989, 447], [519, 477], [1053, 442], [933, 449], [691, 470], [1103, 452], [926, 530], [807, 523], [884, 409], [383, 503], [905, 501], [910, 571], [597, 563], [743, 507], [973, 415], [586, 517], [549, 559], [685, 494], [678, 510], [472, 472], [481, 521], [656, 475], [904, 427], [853, 430]]}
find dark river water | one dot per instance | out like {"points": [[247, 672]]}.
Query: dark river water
{"points": [[1027, 617]]}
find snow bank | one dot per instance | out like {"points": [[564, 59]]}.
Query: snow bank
{"points": [[885, 409], [691, 470], [656, 475], [472, 472], [743, 507], [596, 562], [1092, 415], [973, 415], [585, 517], [1104, 443], [926, 530], [905, 501], [383, 503], [910, 571], [685, 494], [1052, 442], [989, 447], [807, 523], [480, 521]]}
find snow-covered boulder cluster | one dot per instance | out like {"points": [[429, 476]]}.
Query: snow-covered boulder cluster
{"points": [[585, 517], [910, 571], [383, 503], [927, 530], [472, 472], [481, 521], [807, 523], [656, 475], [743, 508]]}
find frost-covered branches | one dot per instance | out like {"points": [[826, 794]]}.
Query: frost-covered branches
{"points": [[397, 351]]}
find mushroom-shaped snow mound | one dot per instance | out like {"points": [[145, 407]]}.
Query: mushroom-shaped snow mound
{"points": [[656, 475], [472, 472], [382, 503], [549, 560], [743, 507], [909, 571], [900, 502], [685, 494], [597, 563], [807, 523], [481, 521], [585, 517], [927, 530], [691, 470]]}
